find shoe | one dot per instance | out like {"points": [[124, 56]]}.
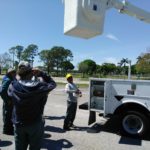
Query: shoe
{"points": [[66, 128], [73, 126], [8, 133]]}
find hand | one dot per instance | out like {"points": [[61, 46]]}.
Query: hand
{"points": [[36, 71], [79, 93]]}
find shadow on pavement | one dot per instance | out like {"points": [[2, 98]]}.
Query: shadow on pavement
{"points": [[112, 126], [53, 129], [5, 143], [130, 141], [56, 145], [84, 106], [54, 117]]}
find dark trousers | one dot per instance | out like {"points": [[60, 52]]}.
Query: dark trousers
{"points": [[70, 114], [31, 135], [7, 116]]}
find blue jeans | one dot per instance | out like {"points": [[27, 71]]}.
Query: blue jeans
{"points": [[31, 135]]}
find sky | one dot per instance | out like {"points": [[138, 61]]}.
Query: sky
{"points": [[41, 22]]}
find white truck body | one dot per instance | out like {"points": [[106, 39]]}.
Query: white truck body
{"points": [[106, 90], [118, 96]]}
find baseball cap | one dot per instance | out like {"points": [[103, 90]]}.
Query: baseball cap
{"points": [[11, 70], [25, 65], [24, 68]]}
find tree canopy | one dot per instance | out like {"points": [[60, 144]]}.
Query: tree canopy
{"points": [[87, 66], [108, 68], [30, 52], [16, 51], [56, 58], [143, 63]]}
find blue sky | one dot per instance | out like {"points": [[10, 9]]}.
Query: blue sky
{"points": [[40, 22]]}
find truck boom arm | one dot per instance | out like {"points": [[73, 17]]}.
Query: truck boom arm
{"points": [[131, 10], [85, 18]]}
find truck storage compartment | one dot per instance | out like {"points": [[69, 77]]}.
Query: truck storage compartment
{"points": [[97, 95]]}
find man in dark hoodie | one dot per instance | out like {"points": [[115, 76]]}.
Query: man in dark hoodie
{"points": [[29, 98]]}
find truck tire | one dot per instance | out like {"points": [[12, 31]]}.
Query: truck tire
{"points": [[134, 123]]}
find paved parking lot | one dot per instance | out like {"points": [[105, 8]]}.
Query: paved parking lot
{"points": [[103, 135]]}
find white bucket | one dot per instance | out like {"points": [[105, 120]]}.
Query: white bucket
{"points": [[84, 18]]}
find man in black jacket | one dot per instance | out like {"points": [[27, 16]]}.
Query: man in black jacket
{"points": [[29, 98], [7, 102]]}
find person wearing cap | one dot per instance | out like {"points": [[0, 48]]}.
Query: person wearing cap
{"points": [[7, 102], [29, 98], [73, 93]]}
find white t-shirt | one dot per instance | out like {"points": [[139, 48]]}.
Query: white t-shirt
{"points": [[71, 90]]}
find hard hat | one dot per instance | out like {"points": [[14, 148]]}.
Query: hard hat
{"points": [[68, 75]]}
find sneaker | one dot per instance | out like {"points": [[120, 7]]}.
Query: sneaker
{"points": [[66, 128], [73, 126], [8, 133]]}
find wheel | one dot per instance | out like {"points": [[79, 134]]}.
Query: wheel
{"points": [[134, 123]]}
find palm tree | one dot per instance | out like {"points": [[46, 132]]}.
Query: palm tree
{"points": [[138, 59], [123, 63]]}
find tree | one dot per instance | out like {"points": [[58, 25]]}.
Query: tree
{"points": [[45, 56], [143, 64], [55, 57], [19, 49], [99, 70], [16, 51], [87, 66], [123, 63], [108, 68], [5, 61], [12, 51], [60, 55], [30, 52], [66, 66], [133, 69]]}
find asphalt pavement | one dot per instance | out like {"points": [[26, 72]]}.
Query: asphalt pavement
{"points": [[102, 135]]}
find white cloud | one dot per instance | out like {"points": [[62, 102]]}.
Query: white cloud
{"points": [[112, 37], [111, 60]]}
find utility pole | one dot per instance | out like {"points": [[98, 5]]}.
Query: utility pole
{"points": [[129, 70]]}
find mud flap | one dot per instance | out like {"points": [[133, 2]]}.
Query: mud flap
{"points": [[92, 117]]}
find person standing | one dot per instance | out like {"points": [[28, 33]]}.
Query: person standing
{"points": [[73, 93], [29, 98], [7, 102]]}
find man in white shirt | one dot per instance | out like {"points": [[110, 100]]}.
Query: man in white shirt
{"points": [[73, 93]]}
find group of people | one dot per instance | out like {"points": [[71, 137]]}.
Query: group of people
{"points": [[24, 99]]}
